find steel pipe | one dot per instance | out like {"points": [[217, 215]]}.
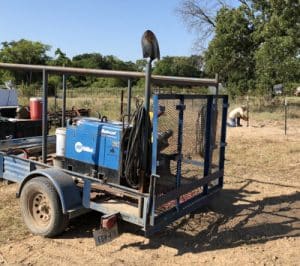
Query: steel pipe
{"points": [[45, 116], [64, 87], [129, 91], [156, 79]]}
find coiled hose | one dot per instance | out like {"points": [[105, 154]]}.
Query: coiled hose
{"points": [[135, 163]]}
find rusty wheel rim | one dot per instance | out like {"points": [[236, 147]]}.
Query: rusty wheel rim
{"points": [[40, 209]]}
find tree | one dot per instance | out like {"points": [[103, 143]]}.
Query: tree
{"points": [[200, 17], [60, 59], [179, 66], [278, 54], [87, 60], [24, 52], [90, 60], [254, 45], [230, 53], [140, 64], [97, 61]]}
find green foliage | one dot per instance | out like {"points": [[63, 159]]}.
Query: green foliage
{"points": [[24, 52], [278, 55], [60, 59], [290, 88], [140, 64], [97, 61], [230, 53], [141, 83], [54, 84], [179, 66], [256, 45], [109, 83], [29, 90], [29, 52], [6, 75]]}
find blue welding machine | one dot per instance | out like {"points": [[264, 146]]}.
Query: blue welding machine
{"points": [[94, 146]]}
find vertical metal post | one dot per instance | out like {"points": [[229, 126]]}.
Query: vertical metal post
{"points": [[181, 109], [147, 108], [223, 137], [215, 111], [247, 110], [154, 159], [208, 148], [217, 87], [55, 100], [45, 116], [285, 116], [147, 85], [146, 130], [154, 134], [64, 87], [121, 107], [214, 121], [129, 100]]}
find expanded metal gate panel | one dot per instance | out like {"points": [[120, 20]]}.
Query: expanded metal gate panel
{"points": [[193, 135], [193, 150]]}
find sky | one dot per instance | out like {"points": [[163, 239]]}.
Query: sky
{"points": [[109, 27]]}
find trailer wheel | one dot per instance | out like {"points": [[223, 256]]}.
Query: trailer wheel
{"points": [[41, 208]]}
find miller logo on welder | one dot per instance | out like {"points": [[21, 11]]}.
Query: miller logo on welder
{"points": [[93, 147]]}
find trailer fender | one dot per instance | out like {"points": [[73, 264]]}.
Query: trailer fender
{"points": [[68, 192]]}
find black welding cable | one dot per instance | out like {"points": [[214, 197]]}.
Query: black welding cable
{"points": [[135, 151]]}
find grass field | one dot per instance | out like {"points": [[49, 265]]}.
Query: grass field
{"points": [[107, 101]]}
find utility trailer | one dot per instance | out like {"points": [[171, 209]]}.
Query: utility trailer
{"points": [[177, 166]]}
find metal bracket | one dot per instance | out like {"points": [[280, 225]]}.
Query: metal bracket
{"points": [[155, 175], [180, 107], [223, 144]]}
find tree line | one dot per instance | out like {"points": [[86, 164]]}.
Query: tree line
{"points": [[31, 52]]}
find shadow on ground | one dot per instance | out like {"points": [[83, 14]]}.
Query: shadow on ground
{"points": [[231, 220]]}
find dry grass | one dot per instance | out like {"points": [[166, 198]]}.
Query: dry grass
{"points": [[11, 224], [107, 101], [262, 108], [274, 158], [255, 220], [260, 153]]}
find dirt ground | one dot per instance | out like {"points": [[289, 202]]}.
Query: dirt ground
{"points": [[256, 220]]}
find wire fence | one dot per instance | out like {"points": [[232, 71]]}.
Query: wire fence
{"points": [[285, 110], [108, 101]]}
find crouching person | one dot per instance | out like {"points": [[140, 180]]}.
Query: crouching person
{"points": [[236, 115]]}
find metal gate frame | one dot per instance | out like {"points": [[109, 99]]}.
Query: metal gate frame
{"points": [[181, 209]]}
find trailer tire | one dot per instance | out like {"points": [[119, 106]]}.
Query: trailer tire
{"points": [[41, 208]]}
